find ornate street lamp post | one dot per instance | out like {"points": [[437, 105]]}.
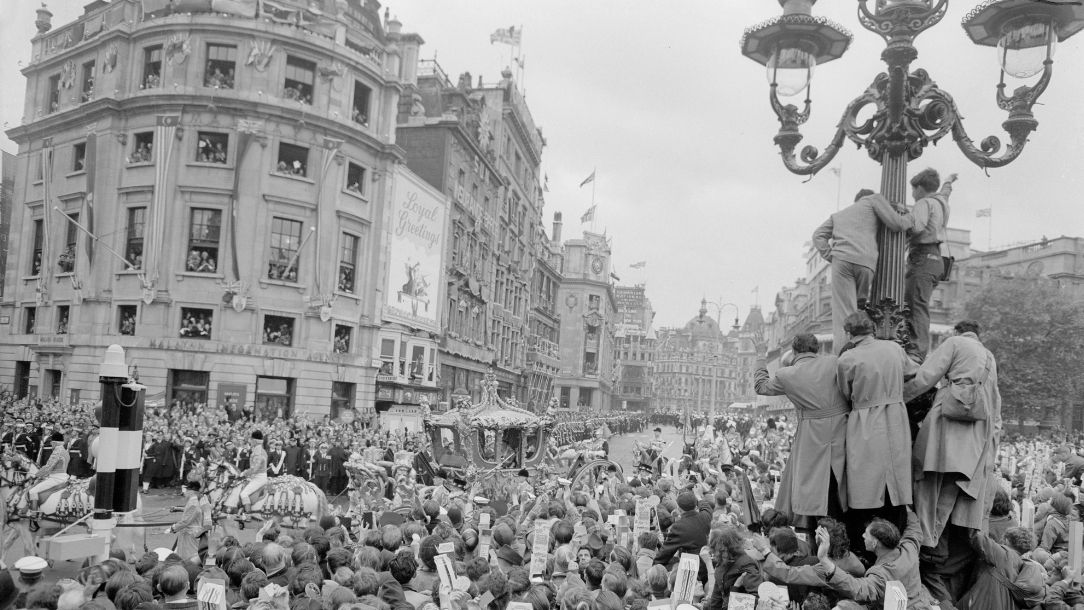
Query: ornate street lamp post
{"points": [[910, 110]]}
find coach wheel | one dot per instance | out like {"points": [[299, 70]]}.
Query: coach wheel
{"points": [[591, 471]]}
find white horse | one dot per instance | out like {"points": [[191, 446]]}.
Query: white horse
{"points": [[64, 504], [290, 499]]}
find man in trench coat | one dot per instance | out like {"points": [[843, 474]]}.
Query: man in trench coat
{"points": [[870, 375], [955, 460], [813, 482]]}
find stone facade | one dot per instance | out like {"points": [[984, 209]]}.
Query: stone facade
{"points": [[236, 170], [588, 310], [634, 350]]}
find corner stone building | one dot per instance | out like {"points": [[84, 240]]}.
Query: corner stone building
{"points": [[236, 169]]}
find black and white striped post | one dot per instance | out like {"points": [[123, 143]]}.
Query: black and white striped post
{"points": [[120, 443]]}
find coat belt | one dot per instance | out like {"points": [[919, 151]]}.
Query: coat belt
{"points": [[823, 414]]}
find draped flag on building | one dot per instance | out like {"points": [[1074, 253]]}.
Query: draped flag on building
{"points": [[165, 133], [546, 184], [245, 129], [43, 261], [639, 265], [510, 35], [91, 166], [330, 148], [589, 215], [983, 213], [588, 180]]}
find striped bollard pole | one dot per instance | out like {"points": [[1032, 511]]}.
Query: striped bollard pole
{"points": [[119, 444]]}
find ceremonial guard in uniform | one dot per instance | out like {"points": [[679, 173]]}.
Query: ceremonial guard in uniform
{"points": [[321, 470], [276, 460]]}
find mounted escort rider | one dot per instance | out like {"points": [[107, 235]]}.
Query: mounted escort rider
{"points": [[51, 476], [257, 473]]}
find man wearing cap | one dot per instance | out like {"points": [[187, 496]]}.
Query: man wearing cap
{"points": [[321, 469], [812, 482], [688, 534], [30, 571], [53, 474], [257, 471], [25, 441]]}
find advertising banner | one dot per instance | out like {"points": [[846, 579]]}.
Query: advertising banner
{"points": [[417, 218]]}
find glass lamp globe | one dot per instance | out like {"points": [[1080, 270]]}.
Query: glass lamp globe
{"points": [[1023, 48], [790, 69]]}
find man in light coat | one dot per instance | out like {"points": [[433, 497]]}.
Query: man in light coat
{"points": [[813, 483], [955, 479], [848, 240], [870, 375]]}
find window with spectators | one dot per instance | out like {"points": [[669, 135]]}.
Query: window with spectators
{"points": [[52, 98], [285, 243], [86, 91], [212, 147], [355, 179], [204, 233], [196, 323], [343, 336], [278, 330], [348, 261], [300, 76], [142, 148], [187, 391], [221, 66], [342, 398], [39, 237], [133, 248], [152, 67], [360, 111], [292, 160], [126, 319]]}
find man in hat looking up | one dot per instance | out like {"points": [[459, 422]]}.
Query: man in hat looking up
{"points": [[688, 534], [257, 471], [53, 474]]}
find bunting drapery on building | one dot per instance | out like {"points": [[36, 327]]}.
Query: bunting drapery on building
{"points": [[244, 136], [44, 262], [164, 134], [91, 166], [329, 149]]}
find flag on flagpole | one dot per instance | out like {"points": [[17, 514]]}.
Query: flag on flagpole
{"points": [[546, 184], [588, 180], [983, 213], [639, 265], [589, 215], [509, 35], [91, 167]]}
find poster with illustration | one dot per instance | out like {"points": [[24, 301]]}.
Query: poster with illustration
{"points": [[416, 220]]}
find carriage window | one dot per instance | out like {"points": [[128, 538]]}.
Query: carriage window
{"points": [[532, 445], [447, 439], [487, 442]]}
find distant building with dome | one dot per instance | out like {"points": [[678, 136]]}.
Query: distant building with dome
{"points": [[696, 367]]}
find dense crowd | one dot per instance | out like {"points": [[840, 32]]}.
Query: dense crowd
{"points": [[715, 505]]}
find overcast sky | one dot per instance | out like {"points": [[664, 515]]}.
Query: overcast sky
{"points": [[659, 99]]}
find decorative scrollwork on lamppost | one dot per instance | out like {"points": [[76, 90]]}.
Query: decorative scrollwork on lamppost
{"points": [[910, 111]]}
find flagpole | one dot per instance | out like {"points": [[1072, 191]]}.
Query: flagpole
{"points": [[594, 214], [97, 239], [990, 229], [839, 186]]}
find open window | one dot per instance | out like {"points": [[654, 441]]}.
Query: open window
{"points": [[196, 323], [278, 330], [212, 147], [221, 66], [300, 76], [292, 160], [355, 179], [360, 111], [142, 148]]}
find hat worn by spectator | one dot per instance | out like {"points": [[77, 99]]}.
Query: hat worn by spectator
{"points": [[57, 437], [523, 473], [657, 430], [686, 501], [257, 435], [30, 568], [510, 556], [594, 542]]}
